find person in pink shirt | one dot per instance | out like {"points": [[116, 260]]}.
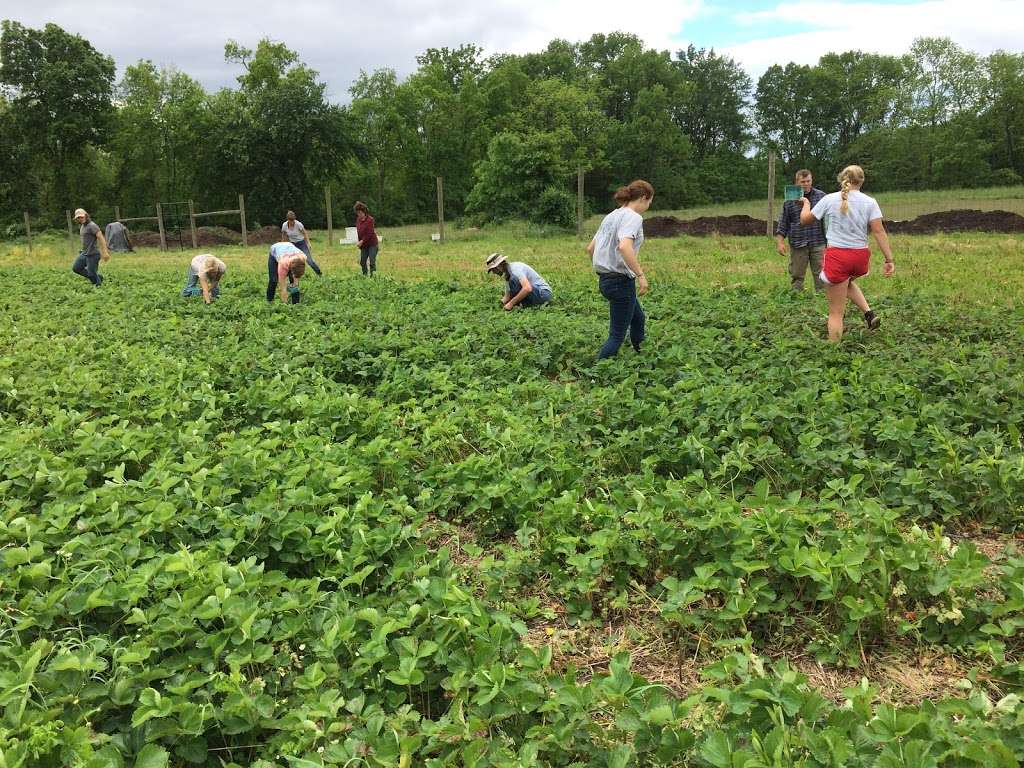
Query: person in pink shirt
{"points": [[286, 262]]}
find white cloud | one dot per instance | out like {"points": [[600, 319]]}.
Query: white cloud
{"points": [[340, 39], [977, 25]]}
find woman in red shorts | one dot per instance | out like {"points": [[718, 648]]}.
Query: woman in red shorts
{"points": [[849, 216]]}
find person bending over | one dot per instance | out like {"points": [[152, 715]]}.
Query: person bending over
{"points": [[524, 287], [203, 277], [285, 262]]}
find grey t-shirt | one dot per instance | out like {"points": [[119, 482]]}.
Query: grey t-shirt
{"points": [[296, 232], [850, 229], [623, 223], [88, 232], [517, 270]]}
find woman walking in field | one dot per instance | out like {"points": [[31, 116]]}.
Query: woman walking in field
{"points": [[614, 251], [366, 236], [292, 231], [849, 215]]}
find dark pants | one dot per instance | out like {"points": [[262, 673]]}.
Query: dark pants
{"points": [[368, 255], [303, 246], [625, 313], [272, 281], [535, 298], [88, 266]]}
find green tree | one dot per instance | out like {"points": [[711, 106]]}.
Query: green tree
{"points": [[713, 107], [1003, 120], [60, 91]]}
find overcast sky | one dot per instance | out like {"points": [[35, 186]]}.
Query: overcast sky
{"points": [[340, 39]]}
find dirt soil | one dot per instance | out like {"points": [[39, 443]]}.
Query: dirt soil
{"points": [[928, 224], [963, 220], [204, 236], [670, 226]]}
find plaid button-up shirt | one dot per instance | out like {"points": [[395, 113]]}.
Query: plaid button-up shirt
{"points": [[800, 235]]}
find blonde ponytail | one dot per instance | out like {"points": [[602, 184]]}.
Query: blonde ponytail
{"points": [[850, 176]]}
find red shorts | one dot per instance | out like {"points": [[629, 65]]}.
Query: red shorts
{"points": [[842, 264]]}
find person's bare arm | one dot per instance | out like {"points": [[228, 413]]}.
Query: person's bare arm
{"points": [[204, 283], [524, 289], [592, 247], [629, 256], [103, 245], [877, 229], [806, 217]]}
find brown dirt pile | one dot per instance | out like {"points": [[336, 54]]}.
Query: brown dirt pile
{"points": [[928, 224]]}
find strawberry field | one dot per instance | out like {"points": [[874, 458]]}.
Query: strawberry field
{"points": [[395, 526]]}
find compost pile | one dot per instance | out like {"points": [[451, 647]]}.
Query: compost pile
{"points": [[204, 236], [964, 220]]}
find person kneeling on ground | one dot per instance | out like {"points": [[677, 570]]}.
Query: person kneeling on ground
{"points": [[524, 286], [285, 261], [203, 277]]}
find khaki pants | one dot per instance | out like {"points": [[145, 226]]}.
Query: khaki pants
{"points": [[798, 261]]}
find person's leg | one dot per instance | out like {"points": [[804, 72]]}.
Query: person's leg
{"points": [[364, 254], [373, 258], [271, 277], [303, 246], [92, 268], [638, 326], [856, 295], [191, 283], [797, 267], [79, 266], [621, 294], [816, 258], [836, 309]]}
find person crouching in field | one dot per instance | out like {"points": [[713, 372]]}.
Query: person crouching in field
{"points": [[849, 216], [615, 253], [806, 242], [94, 247], [367, 240], [285, 262], [292, 231], [523, 286], [203, 277]]}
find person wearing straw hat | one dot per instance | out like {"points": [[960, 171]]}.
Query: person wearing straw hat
{"points": [[94, 248], [203, 277], [524, 286], [285, 261]]}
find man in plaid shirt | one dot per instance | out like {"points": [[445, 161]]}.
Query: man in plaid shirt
{"points": [[806, 241]]}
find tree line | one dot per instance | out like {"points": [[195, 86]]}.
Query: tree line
{"points": [[507, 132]]}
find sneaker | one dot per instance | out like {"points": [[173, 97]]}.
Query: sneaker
{"points": [[871, 320]]}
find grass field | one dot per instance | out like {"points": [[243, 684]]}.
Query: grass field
{"points": [[396, 526]]}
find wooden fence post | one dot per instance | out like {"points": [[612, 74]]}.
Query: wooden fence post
{"points": [[160, 227], [579, 202], [330, 220], [440, 207], [241, 213], [117, 213], [71, 235], [771, 191], [192, 223], [28, 233]]}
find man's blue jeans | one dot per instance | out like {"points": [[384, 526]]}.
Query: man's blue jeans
{"points": [[303, 246], [88, 266], [625, 313], [534, 298], [192, 287]]}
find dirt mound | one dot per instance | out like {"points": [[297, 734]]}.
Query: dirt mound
{"points": [[964, 220], [204, 236], [670, 226], [265, 235]]}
